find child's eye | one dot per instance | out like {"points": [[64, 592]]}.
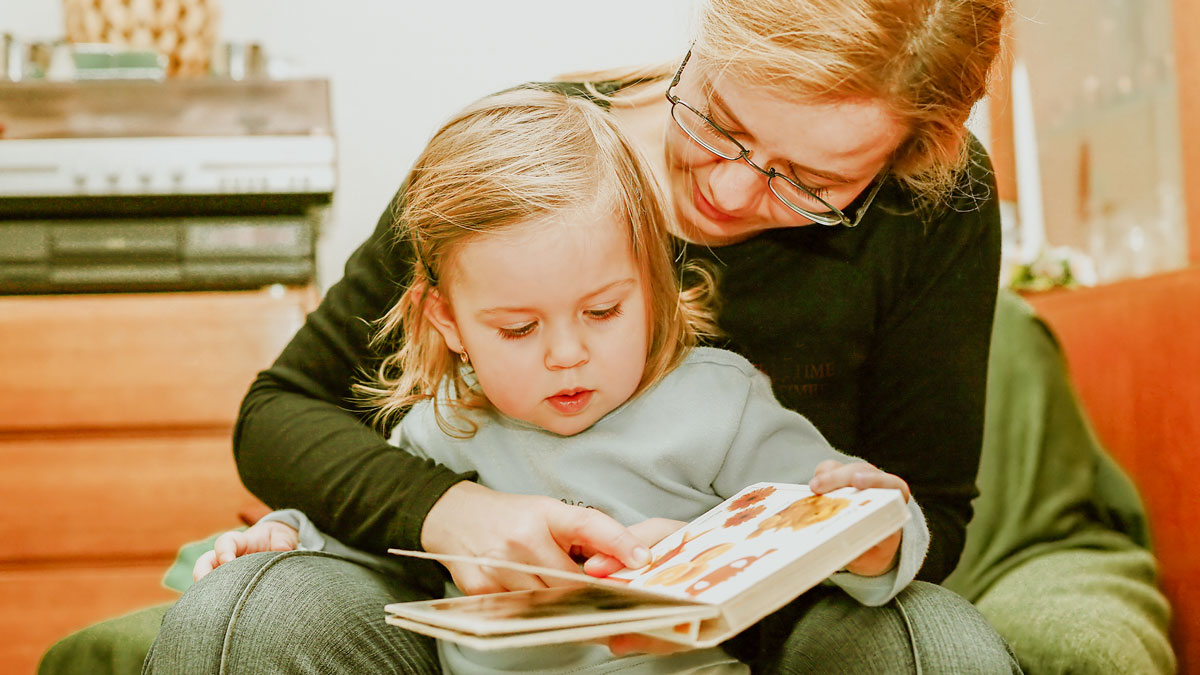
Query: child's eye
{"points": [[606, 313], [518, 332]]}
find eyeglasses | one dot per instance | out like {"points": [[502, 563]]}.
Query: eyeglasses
{"points": [[710, 136]]}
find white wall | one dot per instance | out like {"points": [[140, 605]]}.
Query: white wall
{"points": [[398, 68]]}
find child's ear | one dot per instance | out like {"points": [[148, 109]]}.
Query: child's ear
{"points": [[441, 315]]}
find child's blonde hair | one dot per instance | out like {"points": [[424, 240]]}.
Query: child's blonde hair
{"points": [[507, 160]]}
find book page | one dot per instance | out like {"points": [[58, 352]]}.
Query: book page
{"points": [[669, 627], [546, 609], [547, 572], [750, 536]]}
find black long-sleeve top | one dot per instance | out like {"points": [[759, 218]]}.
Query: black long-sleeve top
{"points": [[879, 334]]}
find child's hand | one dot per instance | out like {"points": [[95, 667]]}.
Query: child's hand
{"points": [[831, 475], [263, 536]]}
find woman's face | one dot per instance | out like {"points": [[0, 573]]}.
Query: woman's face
{"points": [[833, 149]]}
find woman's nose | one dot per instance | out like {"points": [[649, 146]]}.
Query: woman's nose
{"points": [[735, 186], [565, 349]]}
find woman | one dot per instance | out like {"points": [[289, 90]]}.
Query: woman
{"points": [[815, 152]]}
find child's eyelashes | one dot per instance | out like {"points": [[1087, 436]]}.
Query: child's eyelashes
{"points": [[525, 329], [610, 312], [518, 332]]}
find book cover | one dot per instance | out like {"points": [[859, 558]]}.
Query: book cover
{"points": [[712, 578]]}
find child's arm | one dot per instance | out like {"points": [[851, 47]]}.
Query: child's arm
{"points": [[773, 443]]}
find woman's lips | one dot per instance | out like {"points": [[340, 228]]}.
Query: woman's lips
{"points": [[572, 401], [706, 208]]}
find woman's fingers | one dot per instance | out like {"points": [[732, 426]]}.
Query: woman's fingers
{"points": [[479, 579], [473, 520], [591, 530], [649, 532]]}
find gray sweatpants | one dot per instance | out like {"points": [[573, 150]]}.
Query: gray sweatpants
{"points": [[314, 612]]}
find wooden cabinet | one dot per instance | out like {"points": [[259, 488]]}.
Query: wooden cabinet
{"points": [[115, 419]]}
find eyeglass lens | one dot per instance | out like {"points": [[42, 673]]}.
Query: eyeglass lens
{"points": [[703, 132]]}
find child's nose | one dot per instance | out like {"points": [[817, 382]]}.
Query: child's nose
{"points": [[565, 349]]}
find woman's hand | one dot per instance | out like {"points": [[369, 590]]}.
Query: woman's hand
{"points": [[649, 532], [262, 536], [473, 520], [831, 475]]}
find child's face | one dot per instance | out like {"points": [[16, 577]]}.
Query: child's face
{"points": [[553, 316]]}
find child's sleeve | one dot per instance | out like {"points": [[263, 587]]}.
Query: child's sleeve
{"points": [[311, 539], [875, 591], [773, 443]]}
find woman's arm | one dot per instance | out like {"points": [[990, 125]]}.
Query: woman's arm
{"points": [[300, 440], [924, 381]]}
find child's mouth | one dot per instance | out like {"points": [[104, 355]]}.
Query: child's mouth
{"points": [[571, 401]]}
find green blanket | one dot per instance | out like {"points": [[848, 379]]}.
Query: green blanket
{"points": [[1056, 554]]}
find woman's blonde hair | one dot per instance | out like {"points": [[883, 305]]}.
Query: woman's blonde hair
{"points": [[507, 160], [927, 60]]}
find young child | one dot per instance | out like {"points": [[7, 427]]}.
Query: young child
{"points": [[544, 340]]}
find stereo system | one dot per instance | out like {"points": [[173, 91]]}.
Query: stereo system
{"points": [[162, 185]]}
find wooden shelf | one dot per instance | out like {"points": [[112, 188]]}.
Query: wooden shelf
{"points": [[116, 415]]}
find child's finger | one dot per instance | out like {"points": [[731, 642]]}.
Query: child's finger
{"points": [[879, 558], [281, 539], [826, 466], [204, 564], [879, 479], [834, 478], [229, 546]]}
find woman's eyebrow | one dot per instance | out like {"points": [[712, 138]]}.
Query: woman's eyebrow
{"points": [[718, 101]]}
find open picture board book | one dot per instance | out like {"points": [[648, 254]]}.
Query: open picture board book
{"points": [[714, 577]]}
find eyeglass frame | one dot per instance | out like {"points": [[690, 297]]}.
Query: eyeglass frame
{"points": [[831, 218]]}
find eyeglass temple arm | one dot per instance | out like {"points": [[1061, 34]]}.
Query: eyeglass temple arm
{"points": [[678, 74]]}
